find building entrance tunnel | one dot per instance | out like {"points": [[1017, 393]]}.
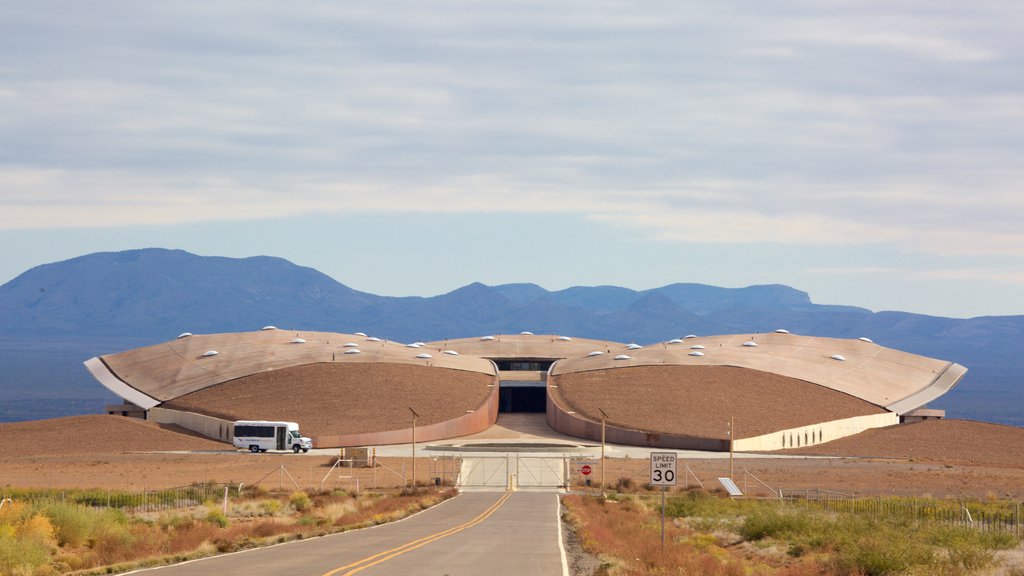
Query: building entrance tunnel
{"points": [[522, 399]]}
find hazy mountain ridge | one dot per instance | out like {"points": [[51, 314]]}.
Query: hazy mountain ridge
{"points": [[138, 297]]}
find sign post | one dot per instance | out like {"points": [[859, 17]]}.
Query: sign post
{"points": [[663, 473]]}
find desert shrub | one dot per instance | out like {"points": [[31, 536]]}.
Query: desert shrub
{"points": [[271, 507], [216, 517], [700, 504], [22, 555], [72, 523], [881, 554], [112, 542], [625, 484], [299, 501], [38, 528], [770, 522]]}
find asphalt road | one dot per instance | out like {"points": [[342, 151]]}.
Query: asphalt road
{"points": [[475, 533]]}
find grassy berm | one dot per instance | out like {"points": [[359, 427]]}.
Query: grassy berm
{"points": [[45, 534], [710, 535]]}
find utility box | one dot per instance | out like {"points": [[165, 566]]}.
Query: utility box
{"points": [[356, 457]]}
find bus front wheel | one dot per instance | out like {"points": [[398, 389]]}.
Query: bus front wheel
{"points": [[254, 448]]}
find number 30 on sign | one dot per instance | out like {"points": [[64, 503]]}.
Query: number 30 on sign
{"points": [[663, 468]]}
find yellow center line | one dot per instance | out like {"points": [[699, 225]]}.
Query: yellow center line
{"points": [[386, 555]]}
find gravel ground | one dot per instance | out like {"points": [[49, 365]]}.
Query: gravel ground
{"points": [[698, 400], [961, 442], [344, 398]]}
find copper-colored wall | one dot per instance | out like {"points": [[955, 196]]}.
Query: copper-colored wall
{"points": [[570, 424], [479, 420]]}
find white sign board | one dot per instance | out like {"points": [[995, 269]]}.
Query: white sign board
{"points": [[663, 468]]}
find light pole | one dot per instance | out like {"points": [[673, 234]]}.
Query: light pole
{"points": [[732, 441], [415, 415], [604, 417]]}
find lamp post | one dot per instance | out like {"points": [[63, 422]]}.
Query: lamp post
{"points": [[732, 442], [604, 417], [415, 415]]}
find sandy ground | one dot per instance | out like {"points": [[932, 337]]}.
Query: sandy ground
{"points": [[343, 398], [702, 398], [960, 442], [950, 458]]}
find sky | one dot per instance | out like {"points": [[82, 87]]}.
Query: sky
{"points": [[870, 153]]}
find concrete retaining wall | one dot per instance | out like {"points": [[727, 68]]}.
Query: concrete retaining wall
{"points": [[815, 433], [208, 426]]}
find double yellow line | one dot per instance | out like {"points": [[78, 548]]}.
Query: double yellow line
{"points": [[370, 561]]}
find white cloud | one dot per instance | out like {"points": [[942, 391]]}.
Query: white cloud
{"points": [[720, 122]]}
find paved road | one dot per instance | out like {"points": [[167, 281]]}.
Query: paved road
{"points": [[499, 534]]}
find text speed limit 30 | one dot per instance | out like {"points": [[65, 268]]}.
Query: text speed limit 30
{"points": [[663, 468]]}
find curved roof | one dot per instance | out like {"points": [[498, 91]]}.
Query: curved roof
{"points": [[540, 346], [154, 374], [898, 381]]}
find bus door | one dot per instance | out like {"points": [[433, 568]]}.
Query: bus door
{"points": [[281, 437]]}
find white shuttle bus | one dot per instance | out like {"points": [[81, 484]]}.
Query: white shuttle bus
{"points": [[263, 435]]}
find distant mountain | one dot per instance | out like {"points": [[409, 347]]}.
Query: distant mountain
{"points": [[56, 315]]}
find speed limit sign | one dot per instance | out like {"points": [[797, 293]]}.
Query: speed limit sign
{"points": [[663, 468]]}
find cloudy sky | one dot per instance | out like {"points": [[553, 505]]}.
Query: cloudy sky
{"points": [[871, 153]]}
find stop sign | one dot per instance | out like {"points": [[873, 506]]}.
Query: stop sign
{"points": [[585, 470]]}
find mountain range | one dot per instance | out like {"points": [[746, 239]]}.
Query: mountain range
{"points": [[54, 316]]}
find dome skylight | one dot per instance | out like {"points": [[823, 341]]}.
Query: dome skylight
{"points": [[596, 353], [298, 340], [184, 335], [622, 357], [210, 353]]}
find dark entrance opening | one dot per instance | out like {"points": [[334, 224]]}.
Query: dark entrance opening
{"points": [[522, 399]]}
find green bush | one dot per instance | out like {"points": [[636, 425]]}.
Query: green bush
{"points": [[271, 507], [22, 556], [216, 516], [881, 555], [770, 522], [299, 501], [72, 523]]}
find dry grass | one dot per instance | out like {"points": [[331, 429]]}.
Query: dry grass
{"points": [[39, 539]]}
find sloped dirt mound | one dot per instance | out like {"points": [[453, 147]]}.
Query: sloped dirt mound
{"points": [[699, 400], [96, 434], [963, 442], [344, 398]]}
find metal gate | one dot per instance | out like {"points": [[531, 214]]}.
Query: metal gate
{"points": [[537, 471], [484, 471], [512, 469]]}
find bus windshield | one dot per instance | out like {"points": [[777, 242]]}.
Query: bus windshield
{"points": [[295, 434]]}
